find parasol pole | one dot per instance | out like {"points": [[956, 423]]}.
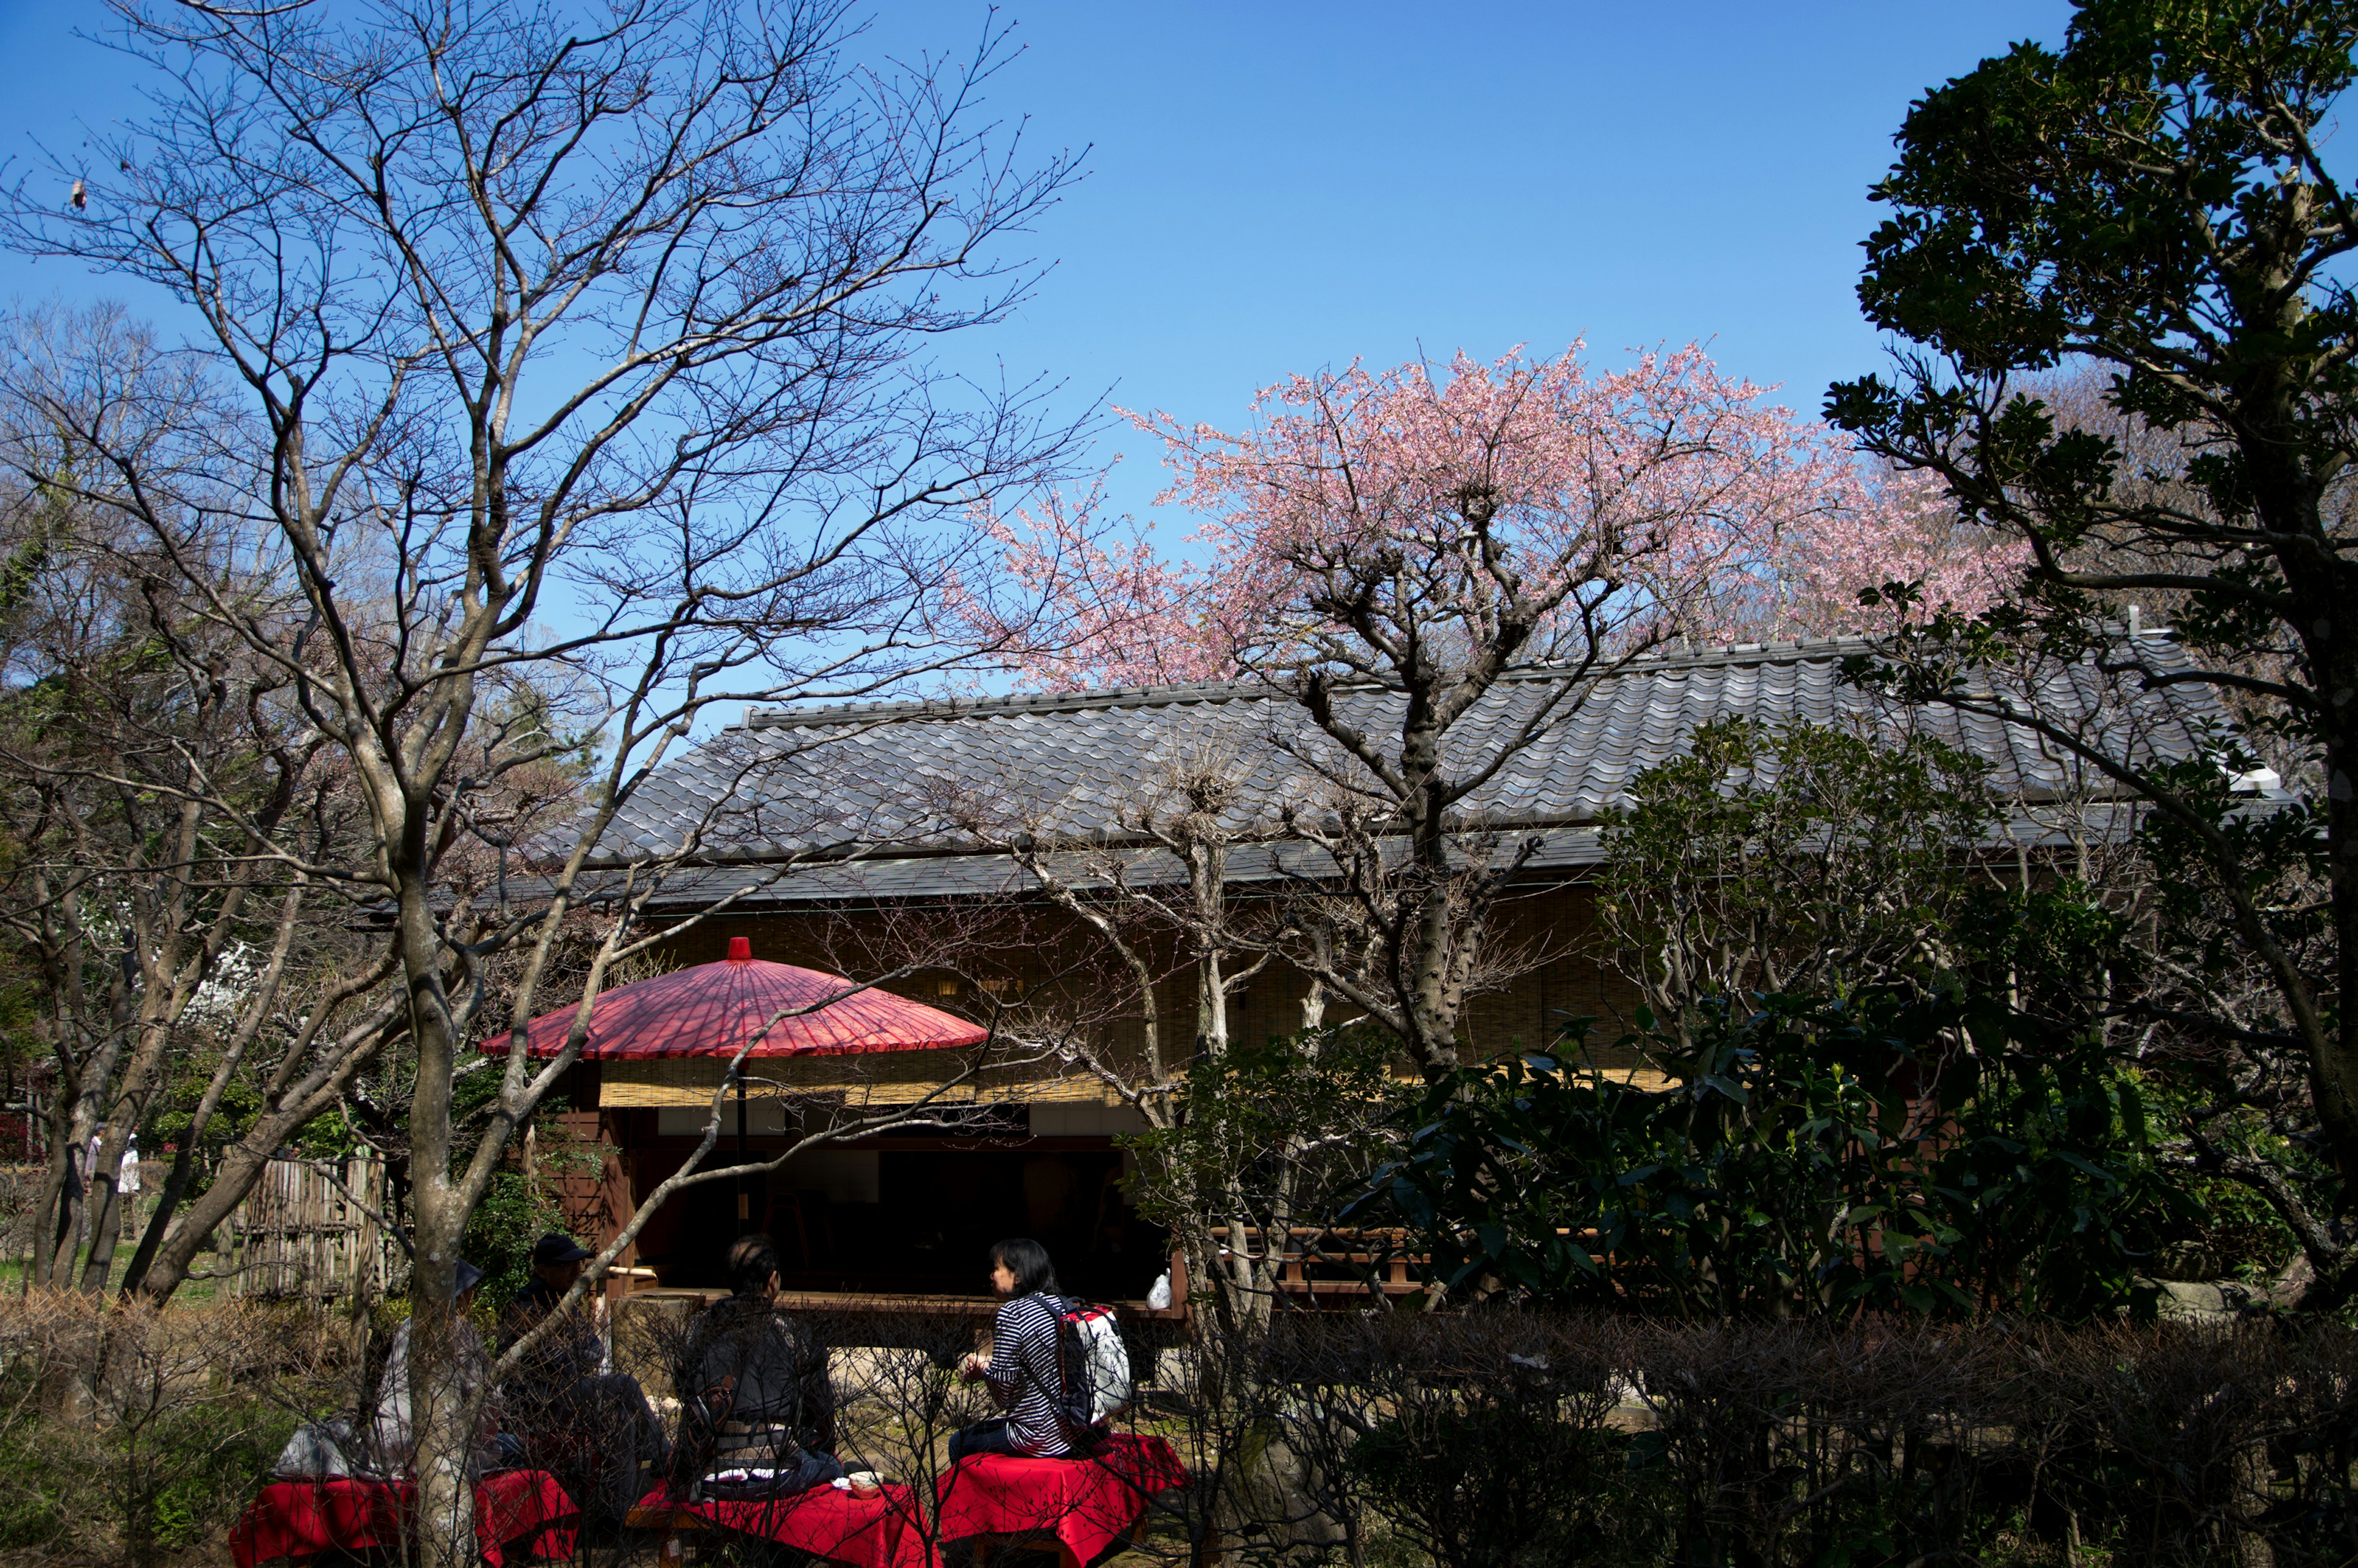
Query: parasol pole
{"points": [[744, 1200]]}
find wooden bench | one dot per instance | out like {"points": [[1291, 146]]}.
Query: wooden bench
{"points": [[986, 1547]]}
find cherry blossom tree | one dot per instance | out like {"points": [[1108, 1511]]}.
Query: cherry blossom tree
{"points": [[1878, 528], [1722, 518], [1122, 615], [1385, 547]]}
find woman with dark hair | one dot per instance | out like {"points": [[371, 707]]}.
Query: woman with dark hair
{"points": [[1022, 1368], [757, 1412]]}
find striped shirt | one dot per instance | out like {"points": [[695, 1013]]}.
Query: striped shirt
{"points": [[1024, 1374]]}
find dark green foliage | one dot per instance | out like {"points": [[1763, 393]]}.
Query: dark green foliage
{"points": [[1269, 1136], [2151, 209], [1489, 1473], [186, 1476], [48, 1486], [1812, 861], [138, 1437], [1890, 1081], [2113, 188], [1247, 1114], [1813, 1158], [1803, 859], [2232, 885], [514, 1213], [498, 1239], [1506, 1439]]}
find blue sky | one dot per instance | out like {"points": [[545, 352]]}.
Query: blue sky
{"points": [[1283, 187], [1280, 187]]}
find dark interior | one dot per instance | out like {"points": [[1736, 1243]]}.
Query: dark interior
{"points": [[938, 1210]]}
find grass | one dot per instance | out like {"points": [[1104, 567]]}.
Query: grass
{"points": [[193, 1292]]}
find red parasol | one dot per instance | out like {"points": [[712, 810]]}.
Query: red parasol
{"points": [[712, 1009]]}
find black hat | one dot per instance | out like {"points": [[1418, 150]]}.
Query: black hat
{"points": [[469, 1277], [556, 1247]]}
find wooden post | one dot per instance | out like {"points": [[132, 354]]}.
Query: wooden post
{"points": [[744, 1198], [366, 1264]]}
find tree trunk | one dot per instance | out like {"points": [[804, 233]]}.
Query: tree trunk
{"points": [[80, 1125], [74, 1193], [443, 1415], [141, 1079], [105, 1183], [53, 1216], [159, 1219], [2334, 656]]}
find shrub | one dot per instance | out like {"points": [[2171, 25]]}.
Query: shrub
{"points": [[1483, 1439], [131, 1432], [1812, 1156], [1489, 1438], [515, 1213], [1494, 1439]]}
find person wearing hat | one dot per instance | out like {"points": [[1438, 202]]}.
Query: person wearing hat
{"points": [[395, 1451], [574, 1349], [574, 1418]]}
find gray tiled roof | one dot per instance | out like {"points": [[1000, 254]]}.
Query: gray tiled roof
{"points": [[891, 784]]}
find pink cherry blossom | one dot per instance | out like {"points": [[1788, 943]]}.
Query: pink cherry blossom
{"points": [[1527, 510], [1894, 527], [1116, 613]]}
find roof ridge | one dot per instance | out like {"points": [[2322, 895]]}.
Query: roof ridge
{"points": [[1686, 656]]}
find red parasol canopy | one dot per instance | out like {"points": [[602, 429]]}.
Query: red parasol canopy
{"points": [[712, 1009]]}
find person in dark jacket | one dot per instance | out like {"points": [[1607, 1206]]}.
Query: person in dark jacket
{"points": [[757, 1410], [573, 1348], [1023, 1368], [586, 1424]]}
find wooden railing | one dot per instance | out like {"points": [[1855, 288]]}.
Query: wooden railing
{"points": [[1360, 1253]]}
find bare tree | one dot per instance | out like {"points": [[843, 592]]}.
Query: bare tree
{"points": [[557, 360], [147, 761], [1183, 881]]}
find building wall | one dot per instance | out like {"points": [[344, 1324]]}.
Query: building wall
{"points": [[1546, 933]]}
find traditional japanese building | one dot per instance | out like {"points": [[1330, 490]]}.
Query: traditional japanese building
{"points": [[888, 842]]}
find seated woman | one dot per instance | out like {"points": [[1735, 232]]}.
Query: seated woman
{"points": [[1022, 1368], [757, 1410], [391, 1433]]}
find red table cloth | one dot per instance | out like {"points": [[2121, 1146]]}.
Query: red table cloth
{"points": [[1086, 1504], [522, 1509], [882, 1531]]}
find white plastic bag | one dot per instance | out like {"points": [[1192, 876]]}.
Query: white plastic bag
{"points": [[321, 1450]]}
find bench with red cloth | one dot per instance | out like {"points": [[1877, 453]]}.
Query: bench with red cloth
{"points": [[516, 1511], [882, 1531], [1080, 1507]]}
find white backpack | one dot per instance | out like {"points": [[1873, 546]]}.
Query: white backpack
{"points": [[1095, 1365]]}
